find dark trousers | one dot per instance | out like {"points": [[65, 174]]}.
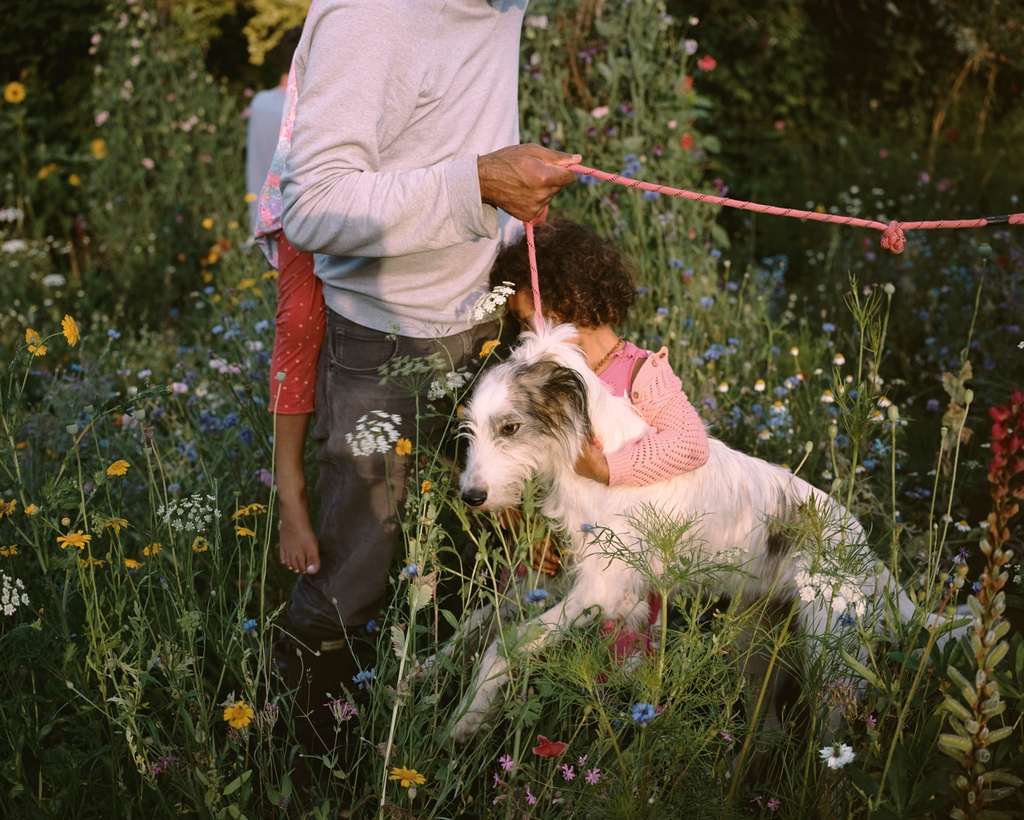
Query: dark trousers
{"points": [[360, 494]]}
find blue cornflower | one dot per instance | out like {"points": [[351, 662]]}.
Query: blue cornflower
{"points": [[246, 436], [714, 352], [364, 677], [371, 625], [663, 311], [675, 263], [828, 327], [217, 329], [707, 301], [249, 626], [650, 196], [587, 527], [535, 596], [261, 325], [644, 713], [113, 334], [411, 570]]}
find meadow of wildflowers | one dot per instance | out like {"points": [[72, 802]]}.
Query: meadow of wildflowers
{"points": [[139, 584]]}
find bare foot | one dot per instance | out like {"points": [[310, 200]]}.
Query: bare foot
{"points": [[300, 551]]}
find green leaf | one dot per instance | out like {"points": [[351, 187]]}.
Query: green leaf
{"points": [[236, 784], [863, 671]]}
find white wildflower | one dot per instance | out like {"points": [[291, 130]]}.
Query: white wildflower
{"points": [[488, 304], [12, 593], [16, 215], [375, 432], [448, 383], [836, 756], [14, 246], [53, 280], [193, 514]]}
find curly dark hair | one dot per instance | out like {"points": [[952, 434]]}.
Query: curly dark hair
{"points": [[583, 278]]}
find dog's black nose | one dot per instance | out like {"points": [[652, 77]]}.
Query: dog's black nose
{"points": [[474, 496]]}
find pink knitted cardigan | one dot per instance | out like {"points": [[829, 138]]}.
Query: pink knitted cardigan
{"points": [[678, 443]]}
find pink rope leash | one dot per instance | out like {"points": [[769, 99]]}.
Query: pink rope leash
{"points": [[893, 238]]}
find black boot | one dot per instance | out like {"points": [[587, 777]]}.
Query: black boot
{"points": [[322, 670]]}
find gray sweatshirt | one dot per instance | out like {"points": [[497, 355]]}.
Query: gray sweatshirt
{"points": [[396, 99]]}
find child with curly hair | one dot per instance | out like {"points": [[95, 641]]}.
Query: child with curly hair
{"points": [[587, 281]]}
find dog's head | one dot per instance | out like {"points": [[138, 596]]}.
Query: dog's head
{"points": [[526, 417]]}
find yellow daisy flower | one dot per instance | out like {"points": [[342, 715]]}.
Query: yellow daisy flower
{"points": [[119, 467], [249, 509], [70, 330], [34, 342], [425, 487], [74, 539], [131, 563], [92, 562], [31, 509], [7, 507], [74, 180], [488, 347], [116, 524], [207, 223], [7, 552], [407, 777], [153, 548], [46, 170], [200, 544], [14, 93], [403, 447], [98, 148], [241, 531], [239, 714], [250, 197]]}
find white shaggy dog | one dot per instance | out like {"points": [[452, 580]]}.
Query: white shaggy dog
{"points": [[531, 415]]}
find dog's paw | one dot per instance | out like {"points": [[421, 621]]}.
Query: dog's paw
{"points": [[468, 726]]}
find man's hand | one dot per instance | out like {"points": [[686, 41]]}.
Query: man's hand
{"points": [[592, 462], [522, 179]]}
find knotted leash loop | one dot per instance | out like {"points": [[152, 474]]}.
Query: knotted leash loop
{"points": [[893, 238]]}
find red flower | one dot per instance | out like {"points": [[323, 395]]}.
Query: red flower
{"points": [[686, 141], [707, 63], [549, 748]]}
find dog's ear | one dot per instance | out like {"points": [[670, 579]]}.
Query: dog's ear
{"points": [[559, 397]]}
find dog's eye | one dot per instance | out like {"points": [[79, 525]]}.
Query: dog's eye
{"points": [[510, 428]]}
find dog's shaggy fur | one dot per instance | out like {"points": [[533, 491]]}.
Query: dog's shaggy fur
{"points": [[530, 416]]}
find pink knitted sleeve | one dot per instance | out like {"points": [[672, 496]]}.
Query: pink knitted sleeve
{"points": [[678, 443]]}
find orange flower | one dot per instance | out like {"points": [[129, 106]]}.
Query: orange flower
{"points": [[403, 447], [488, 347]]}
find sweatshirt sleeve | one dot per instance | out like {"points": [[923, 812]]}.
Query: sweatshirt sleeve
{"points": [[359, 82], [678, 443]]}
